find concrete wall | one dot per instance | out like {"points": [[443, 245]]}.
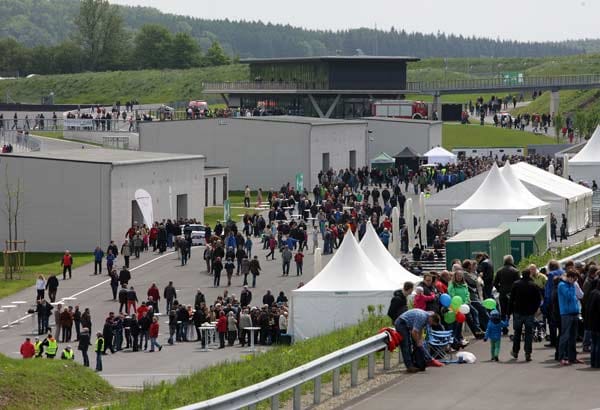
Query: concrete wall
{"points": [[214, 179], [163, 181], [393, 135], [97, 137], [261, 154], [65, 204], [338, 141]]}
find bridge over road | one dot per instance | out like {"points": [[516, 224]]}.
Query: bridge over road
{"points": [[507, 385]]}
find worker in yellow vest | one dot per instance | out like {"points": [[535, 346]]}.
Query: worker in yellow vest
{"points": [[38, 348], [68, 354], [99, 349], [51, 346]]}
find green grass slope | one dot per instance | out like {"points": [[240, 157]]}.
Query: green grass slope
{"points": [[457, 135], [49, 384], [147, 86]]}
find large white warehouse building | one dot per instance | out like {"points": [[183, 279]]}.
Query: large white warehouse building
{"points": [[78, 199], [264, 152]]}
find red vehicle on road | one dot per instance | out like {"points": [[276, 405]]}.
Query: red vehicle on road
{"points": [[416, 110]]}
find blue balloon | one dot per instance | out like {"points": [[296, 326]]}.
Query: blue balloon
{"points": [[445, 300]]}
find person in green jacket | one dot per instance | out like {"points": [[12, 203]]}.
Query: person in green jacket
{"points": [[458, 287]]}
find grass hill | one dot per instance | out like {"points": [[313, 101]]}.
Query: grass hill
{"points": [[153, 86], [50, 384]]}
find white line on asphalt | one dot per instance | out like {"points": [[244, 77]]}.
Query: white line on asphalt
{"points": [[98, 284]]}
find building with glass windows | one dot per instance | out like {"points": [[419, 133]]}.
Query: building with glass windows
{"points": [[326, 87]]}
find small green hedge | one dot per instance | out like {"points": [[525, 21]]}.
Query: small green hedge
{"points": [[231, 376]]}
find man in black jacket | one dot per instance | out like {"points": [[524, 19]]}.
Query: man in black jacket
{"points": [[84, 344], [525, 300], [398, 304], [503, 282], [52, 287], [486, 270], [245, 297], [170, 294], [124, 276]]}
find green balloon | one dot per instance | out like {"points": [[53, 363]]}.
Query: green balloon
{"points": [[456, 302], [449, 317], [489, 304]]}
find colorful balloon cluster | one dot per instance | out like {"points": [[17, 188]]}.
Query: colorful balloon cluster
{"points": [[457, 310]]}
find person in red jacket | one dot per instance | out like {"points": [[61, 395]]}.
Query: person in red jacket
{"points": [[222, 329], [153, 332], [67, 263], [155, 293], [27, 349]]}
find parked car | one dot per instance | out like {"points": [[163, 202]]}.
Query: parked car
{"points": [[198, 234]]}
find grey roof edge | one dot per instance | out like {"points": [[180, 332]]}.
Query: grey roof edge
{"points": [[330, 58]]}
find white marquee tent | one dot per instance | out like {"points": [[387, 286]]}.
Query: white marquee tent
{"points": [[383, 260], [493, 203], [585, 165], [564, 196], [339, 295], [439, 155]]}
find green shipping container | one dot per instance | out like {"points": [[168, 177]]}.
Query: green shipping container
{"points": [[527, 238], [468, 243]]}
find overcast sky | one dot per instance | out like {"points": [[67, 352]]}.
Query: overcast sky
{"points": [[535, 20]]}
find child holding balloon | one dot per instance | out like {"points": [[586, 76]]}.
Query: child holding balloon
{"points": [[494, 333]]}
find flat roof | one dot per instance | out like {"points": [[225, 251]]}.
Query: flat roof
{"points": [[482, 234], [523, 228], [349, 59], [104, 156], [408, 120], [302, 120]]}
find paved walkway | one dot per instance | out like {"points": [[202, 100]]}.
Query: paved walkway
{"points": [[507, 385], [131, 370]]}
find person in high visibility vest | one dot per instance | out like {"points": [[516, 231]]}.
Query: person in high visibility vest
{"points": [[99, 349], [38, 348], [68, 354], [51, 346]]}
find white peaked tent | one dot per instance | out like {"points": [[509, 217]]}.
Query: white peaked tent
{"points": [[524, 194], [439, 155], [383, 260], [564, 196], [339, 295], [493, 203], [585, 165]]}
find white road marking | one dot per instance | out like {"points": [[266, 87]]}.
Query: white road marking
{"points": [[98, 284]]}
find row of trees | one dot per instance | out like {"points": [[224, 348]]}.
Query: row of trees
{"points": [[101, 43], [583, 122]]}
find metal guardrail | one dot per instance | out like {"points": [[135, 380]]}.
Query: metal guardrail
{"points": [[583, 255], [19, 141], [497, 83], [295, 378], [266, 85]]}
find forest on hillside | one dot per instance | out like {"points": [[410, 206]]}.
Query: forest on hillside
{"points": [[51, 22]]}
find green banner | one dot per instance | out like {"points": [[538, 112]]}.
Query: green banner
{"points": [[226, 210], [512, 78], [299, 182]]}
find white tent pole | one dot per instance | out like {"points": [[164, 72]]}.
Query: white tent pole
{"points": [[396, 232], [317, 262], [551, 168]]}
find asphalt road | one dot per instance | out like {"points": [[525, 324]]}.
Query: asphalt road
{"points": [[507, 385], [129, 369]]}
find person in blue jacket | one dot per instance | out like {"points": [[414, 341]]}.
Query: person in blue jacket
{"points": [[494, 333], [554, 270], [569, 319], [385, 238], [98, 256]]}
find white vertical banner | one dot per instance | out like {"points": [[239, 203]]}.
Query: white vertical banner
{"points": [[423, 219], [318, 263], [396, 229], [565, 173], [409, 217], [144, 201], [171, 202]]}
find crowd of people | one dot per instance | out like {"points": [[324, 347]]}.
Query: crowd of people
{"points": [[557, 304]]}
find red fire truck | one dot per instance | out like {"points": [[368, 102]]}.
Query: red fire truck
{"points": [[417, 110]]}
